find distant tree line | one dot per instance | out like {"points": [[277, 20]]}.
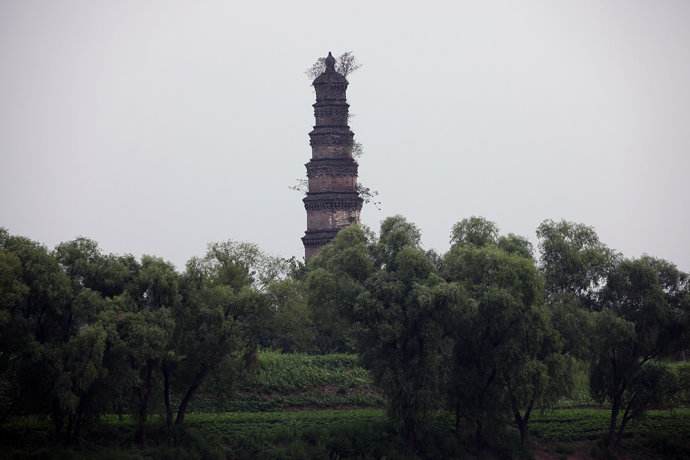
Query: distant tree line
{"points": [[487, 331]]}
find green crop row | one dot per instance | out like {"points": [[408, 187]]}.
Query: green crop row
{"points": [[587, 424], [287, 372]]}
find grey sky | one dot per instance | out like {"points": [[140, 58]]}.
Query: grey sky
{"points": [[159, 126]]}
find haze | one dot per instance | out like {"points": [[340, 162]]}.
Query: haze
{"points": [[157, 127]]}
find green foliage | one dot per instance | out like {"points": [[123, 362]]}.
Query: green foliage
{"points": [[481, 330], [396, 233], [85, 333], [53, 362], [516, 245], [640, 323], [388, 296], [573, 260], [291, 328], [476, 231], [398, 303], [88, 267], [682, 397], [402, 337], [335, 279], [507, 357], [574, 324], [216, 325], [281, 372]]}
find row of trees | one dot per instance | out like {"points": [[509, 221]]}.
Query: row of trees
{"points": [[487, 330], [83, 333], [490, 333]]}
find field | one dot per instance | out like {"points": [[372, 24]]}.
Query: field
{"points": [[300, 406], [347, 433], [297, 381]]}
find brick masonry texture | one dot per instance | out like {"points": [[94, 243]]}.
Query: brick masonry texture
{"points": [[332, 202]]}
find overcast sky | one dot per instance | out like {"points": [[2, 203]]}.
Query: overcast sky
{"points": [[155, 127]]}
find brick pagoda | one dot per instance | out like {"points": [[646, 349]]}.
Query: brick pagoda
{"points": [[332, 201]]}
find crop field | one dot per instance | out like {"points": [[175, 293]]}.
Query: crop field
{"points": [[589, 424], [297, 381]]}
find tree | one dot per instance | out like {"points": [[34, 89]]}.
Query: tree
{"points": [[515, 244], [144, 325], [395, 303], [138, 318], [56, 355], [488, 334], [475, 231], [401, 337], [84, 333], [539, 373], [88, 267], [573, 261], [239, 263], [292, 327], [507, 357], [13, 293], [644, 319], [345, 64], [216, 324], [335, 279], [396, 233]]}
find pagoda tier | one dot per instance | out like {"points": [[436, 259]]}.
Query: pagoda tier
{"points": [[332, 202]]}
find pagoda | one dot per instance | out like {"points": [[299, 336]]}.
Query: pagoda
{"points": [[332, 200]]}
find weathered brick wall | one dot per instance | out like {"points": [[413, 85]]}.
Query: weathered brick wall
{"points": [[332, 183], [321, 152], [324, 219]]}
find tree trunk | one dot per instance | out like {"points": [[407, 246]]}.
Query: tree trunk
{"points": [[619, 437], [410, 434], [521, 423], [69, 431], [478, 437], [624, 421], [182, 409], [615, 410], [58, 420], [142, 410], [76, 428], [524, 432], [58, 425], [166, 397], [457, 418]]}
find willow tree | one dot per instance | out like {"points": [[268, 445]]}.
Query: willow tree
{"points": [[646, 307]]}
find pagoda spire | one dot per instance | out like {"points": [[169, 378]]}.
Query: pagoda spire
{"points": [[332, 200], [330, 63]]}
